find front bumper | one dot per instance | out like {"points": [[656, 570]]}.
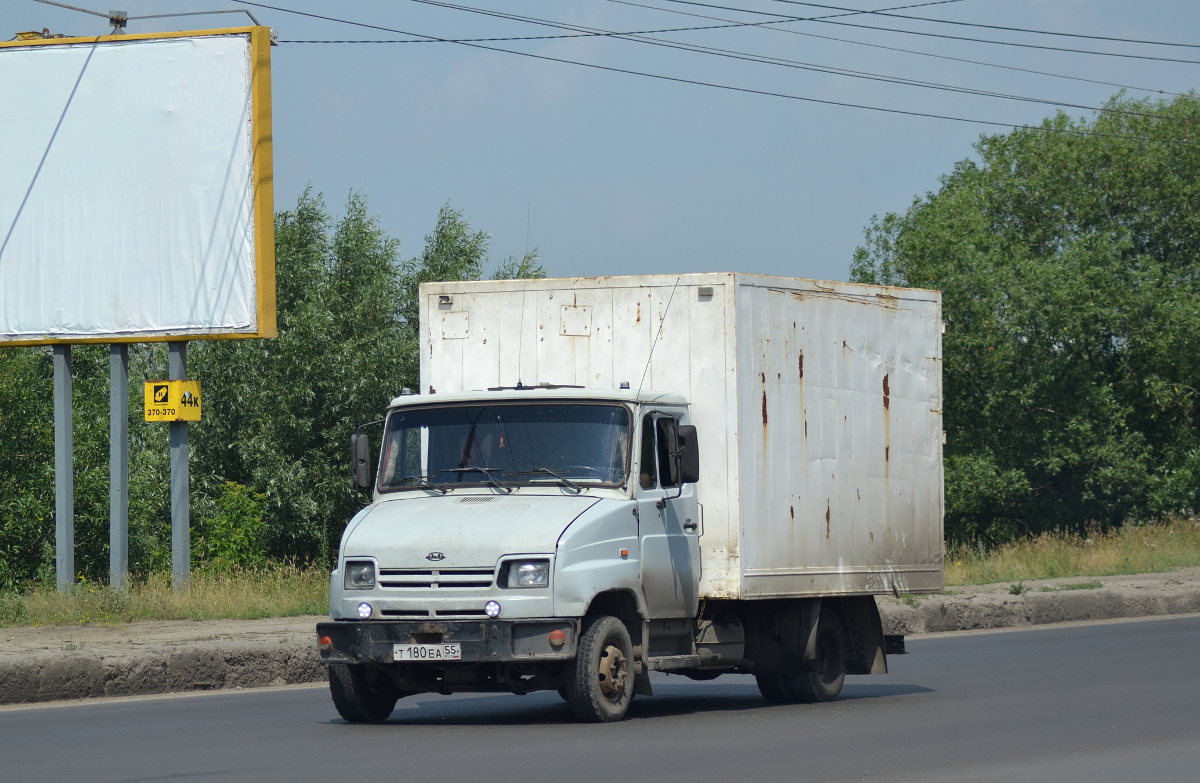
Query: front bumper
{"points": [[495, 641]]}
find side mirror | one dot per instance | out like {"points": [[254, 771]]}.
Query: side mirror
{"points": [[689, 454], [360, 459]]}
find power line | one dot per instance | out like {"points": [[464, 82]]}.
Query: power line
{"points": [[729, 24], [782, 62], [885, 12], [766, 60], [768, 26], [939, 35], [716, 85]]}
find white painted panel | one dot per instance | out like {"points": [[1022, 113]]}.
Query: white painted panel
{"points": [[867, 522], [455, 326], [575, 320]]}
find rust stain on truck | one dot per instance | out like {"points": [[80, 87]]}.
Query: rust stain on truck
{"points": [[762, 377]]}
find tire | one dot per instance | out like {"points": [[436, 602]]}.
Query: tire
{"points": [[360, 694], [775, 689], [825, 674], [599, 682]]}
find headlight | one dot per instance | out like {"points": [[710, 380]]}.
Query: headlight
{"points": [[529, 573], [360, 575]]}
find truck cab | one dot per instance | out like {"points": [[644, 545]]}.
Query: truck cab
{"points": [[502, 523]]}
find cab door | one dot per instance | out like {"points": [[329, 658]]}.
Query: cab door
{"points": [[669, 523]]}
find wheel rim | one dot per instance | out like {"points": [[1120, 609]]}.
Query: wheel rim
{"points": [[827, 664], [613, 672]]}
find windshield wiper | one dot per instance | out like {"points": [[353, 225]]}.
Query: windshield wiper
{"points": [[489, 472], [566, 482], [420, 481]]}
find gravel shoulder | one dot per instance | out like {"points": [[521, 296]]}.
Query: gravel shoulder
{"points": [[54, 663]]}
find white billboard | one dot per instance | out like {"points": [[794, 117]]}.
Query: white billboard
{"points": [[136, 199]]}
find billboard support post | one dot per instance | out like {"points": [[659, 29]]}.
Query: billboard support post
{"points": [[181, 539], [64, 479], [118, 464]]}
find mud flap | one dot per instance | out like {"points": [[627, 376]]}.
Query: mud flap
{"points": [[864, 635]]}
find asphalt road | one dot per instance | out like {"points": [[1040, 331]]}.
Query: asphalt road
{"points": [[1107, 702]]}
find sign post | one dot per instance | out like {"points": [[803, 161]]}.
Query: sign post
{"points": [[181, 531], [177, 401]]}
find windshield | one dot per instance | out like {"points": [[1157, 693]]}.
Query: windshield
{"points": [[505, 445]]}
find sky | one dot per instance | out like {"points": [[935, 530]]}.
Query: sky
{"points": [[611, 173]]}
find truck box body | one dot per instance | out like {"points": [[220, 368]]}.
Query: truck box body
{"points": [[818, 408]]}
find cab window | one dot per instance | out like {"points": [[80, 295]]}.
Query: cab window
{"points": [[646, 463], [668, 435]]}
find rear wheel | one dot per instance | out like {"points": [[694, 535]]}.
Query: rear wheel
{"points": [[828, 674], [824, 675], [362, 694], [774, 688], [599, 683]]}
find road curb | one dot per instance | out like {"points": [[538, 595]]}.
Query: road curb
{"points": [[1033, 606], [56, 676], [288, 655]]}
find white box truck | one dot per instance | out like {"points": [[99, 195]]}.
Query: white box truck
{"points": [[604, 477]]}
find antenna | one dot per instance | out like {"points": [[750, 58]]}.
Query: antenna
{"points": [[521, 334], [653, 345]]}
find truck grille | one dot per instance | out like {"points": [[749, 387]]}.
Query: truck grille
{"points": [[429, 613], [440, 578]]}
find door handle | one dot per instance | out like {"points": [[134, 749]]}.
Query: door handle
{"points": [[690, 526]]}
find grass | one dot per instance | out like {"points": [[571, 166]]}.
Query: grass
{"points": [[277, 591], [1133, 549], [288, 591]]}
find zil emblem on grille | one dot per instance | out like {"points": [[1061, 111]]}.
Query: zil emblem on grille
{"points": [[435, 556]]}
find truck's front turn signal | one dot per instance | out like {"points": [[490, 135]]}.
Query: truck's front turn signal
{"points": [[557, 638]]}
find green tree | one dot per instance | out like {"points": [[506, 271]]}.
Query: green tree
{"points": [[26, 465], [1070, 268], [527, 267], [279, 413]]}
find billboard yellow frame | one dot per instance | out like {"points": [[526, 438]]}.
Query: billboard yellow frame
{"points": [[263, 175]]}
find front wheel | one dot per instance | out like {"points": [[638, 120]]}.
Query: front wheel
{"points": [[362, 694], [599, 682]]}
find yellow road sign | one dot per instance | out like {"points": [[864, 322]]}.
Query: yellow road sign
{"points": [[172, 400]]}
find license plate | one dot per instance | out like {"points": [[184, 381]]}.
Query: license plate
{"points": [[426, 652]]}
